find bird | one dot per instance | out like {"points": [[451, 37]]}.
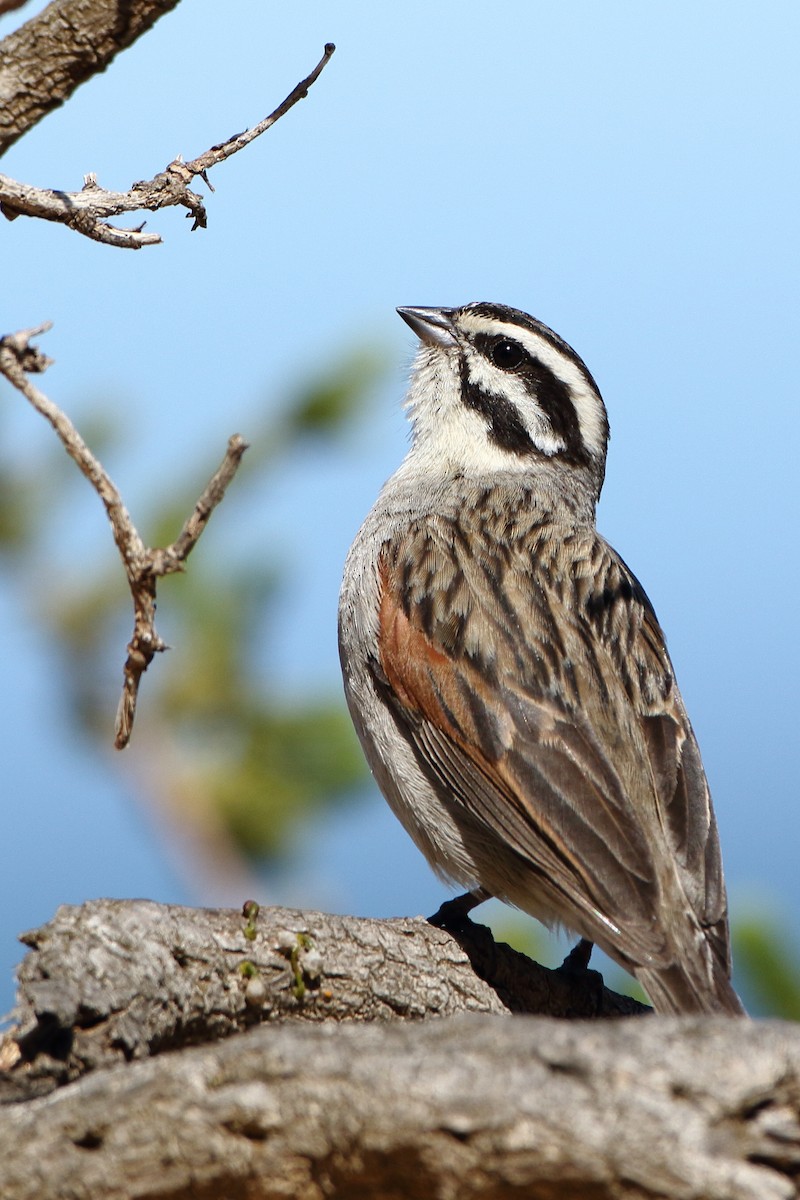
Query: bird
{"points": [[506, 672]]}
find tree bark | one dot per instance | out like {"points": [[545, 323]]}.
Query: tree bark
{"points": [[114, 980], [472, 1106], [343, 1057], [47, 58]]}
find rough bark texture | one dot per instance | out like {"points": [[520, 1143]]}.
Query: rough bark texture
{"points": [[44, 61], [467, 1107], [361, 1075], [115, 980]]}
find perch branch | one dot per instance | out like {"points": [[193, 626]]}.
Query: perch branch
{"points": [[472, 1106], [288, 1053], [143, 565], [87, 211], [113, 980]]}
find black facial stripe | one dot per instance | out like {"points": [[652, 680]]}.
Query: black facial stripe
{"points": [[552, 395], [506, 428], [555, 400], [515, 316]]}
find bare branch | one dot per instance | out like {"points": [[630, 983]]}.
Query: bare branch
{"points": [[218, 154], [29, 358], [289, 1053], [175, 555], [82, 211], [44, 61], [156, 975], [146, 643], [470, 1106], [16, 355], [10, 5], [87, 211], [143, 566]]}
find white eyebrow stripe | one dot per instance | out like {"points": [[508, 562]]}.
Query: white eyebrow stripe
{"points": [[588, 406]]}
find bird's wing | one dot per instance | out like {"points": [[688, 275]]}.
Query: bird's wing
{"points": [[540, 700]]}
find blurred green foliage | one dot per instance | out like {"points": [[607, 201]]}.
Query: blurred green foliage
{"points": [[226, 749], [766, 958]]}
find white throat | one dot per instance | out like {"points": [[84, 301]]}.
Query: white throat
{"points": [[448, 437]]}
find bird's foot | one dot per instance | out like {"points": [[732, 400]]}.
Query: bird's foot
{"points": [[454, 914]]}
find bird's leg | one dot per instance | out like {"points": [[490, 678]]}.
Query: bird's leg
{"points": [[576, 965], [454, 914], [578, 958]]}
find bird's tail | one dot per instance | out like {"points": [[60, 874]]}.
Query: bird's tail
{"points": [[673, 990]]}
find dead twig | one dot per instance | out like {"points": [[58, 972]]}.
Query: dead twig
{"points": [[143, 565], [87, 211]]}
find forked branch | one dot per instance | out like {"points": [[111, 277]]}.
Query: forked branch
{"points": [[143, 565]]}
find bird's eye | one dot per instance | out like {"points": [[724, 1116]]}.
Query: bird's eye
{"points": [[507, 355]]}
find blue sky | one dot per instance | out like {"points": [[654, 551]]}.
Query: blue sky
{"points": [[626, 172]]}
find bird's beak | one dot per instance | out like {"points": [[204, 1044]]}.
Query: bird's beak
{"points": [[431, 325]]}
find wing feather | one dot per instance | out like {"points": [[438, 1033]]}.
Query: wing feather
{"points": [[566, 748]]}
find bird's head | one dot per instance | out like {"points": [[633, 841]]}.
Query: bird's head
{"points": [[496, 391]]}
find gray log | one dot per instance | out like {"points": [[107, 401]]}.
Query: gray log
{"points": [[115, 980], [382, 1061], [474, 1106]]}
